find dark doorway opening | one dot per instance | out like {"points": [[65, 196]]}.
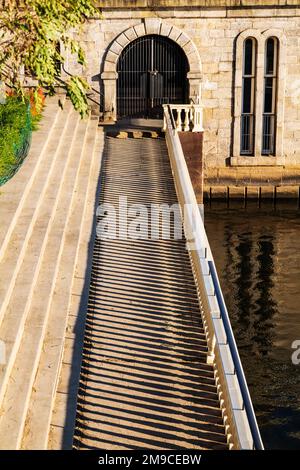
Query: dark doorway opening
{"points": [[152, 71]]}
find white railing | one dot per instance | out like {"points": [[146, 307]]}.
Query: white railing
{"points": [[237, 410], [187, 117]]}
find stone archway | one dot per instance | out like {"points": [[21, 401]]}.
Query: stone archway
{"points": [[148, 26]]}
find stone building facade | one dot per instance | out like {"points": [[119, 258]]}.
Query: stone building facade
{"points": [[213, 36]]}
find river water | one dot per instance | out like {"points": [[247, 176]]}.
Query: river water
{"points": [[257, 254]]}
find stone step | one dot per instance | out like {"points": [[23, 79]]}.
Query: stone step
{"points": [[135, 134], [26, 267], [50, 283], [14, 193], [19, 229], [41, 403]]}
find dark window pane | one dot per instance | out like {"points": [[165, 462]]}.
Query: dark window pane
{"points": [[247, 135], [268, 142], [268, 105], [247, 95], [270, 55], [248, 57]]}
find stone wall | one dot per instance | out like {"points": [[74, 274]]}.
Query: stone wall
{"points": [[214, 32], [192, 3]]}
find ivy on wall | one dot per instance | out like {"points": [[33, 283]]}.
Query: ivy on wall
{"points": [[30, 32]]}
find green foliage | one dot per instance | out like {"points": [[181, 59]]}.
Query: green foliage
{"points": [[76, 90], [13, 123], [30, 36]]}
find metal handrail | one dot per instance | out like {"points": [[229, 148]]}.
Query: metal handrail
{"points": [[247, 433], [236, 360]]}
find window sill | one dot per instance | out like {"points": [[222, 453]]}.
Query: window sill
{"points": [[256, 161]]}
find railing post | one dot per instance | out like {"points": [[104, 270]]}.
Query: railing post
{"points": [[165, 120], [178, 120], [191, 121], [198, 118], [186, 127]]}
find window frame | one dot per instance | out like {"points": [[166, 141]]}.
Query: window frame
{"points": [[257, 158], [269, 118], [248, 118]]}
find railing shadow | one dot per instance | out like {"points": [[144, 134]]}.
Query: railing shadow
{"points": [[144, 379]]}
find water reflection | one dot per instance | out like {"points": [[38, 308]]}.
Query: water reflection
{"points": [[265, 305], [257, 253]]}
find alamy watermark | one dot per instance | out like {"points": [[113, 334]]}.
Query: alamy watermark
{"points": [[296, 353], [150, 222]]}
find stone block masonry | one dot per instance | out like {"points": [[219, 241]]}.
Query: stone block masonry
{"points": [[252, 183], [208, 31]]}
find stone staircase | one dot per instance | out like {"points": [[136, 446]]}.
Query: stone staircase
{"points": [[42, 210]]}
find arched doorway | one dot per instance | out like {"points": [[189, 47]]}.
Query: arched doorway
{"points": [[152, 71]]}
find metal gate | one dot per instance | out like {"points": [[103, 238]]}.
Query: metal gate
{"points": [[152, 71]]}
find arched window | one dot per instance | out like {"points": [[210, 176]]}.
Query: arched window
{"points": [[270, 97], [248, 97]]}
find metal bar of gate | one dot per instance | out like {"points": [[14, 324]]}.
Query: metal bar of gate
{"points": [[151, 71]]}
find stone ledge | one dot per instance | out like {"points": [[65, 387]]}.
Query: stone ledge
{"points": [[111, 4], [268, 192], [253, 176], [255, 161]]}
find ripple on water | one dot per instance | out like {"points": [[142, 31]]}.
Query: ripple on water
{"points": [[257, 253]]}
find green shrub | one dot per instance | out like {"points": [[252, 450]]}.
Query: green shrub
{"points": [[14, 122]]}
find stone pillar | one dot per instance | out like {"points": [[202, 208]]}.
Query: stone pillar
{"points": [[110, 94], [192, 146], [195, 79]]}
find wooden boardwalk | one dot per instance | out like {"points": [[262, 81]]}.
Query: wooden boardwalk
{"points": [[144, 381]]}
